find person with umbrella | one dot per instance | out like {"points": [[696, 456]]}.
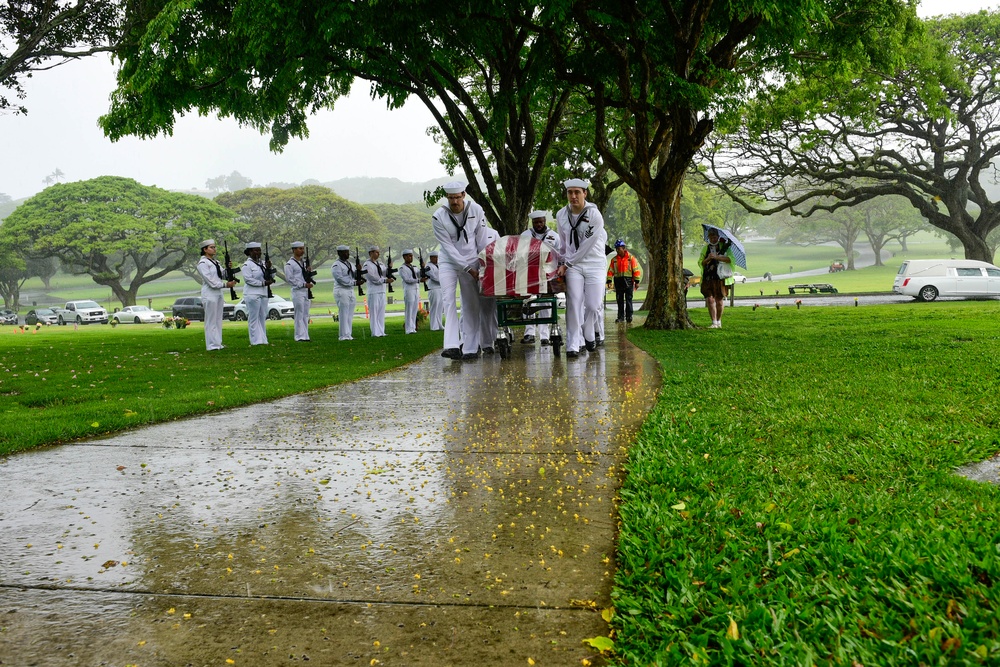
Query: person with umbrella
{"points": [[717, 259]]}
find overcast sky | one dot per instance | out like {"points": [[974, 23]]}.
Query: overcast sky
{"points": [[358, 138]]}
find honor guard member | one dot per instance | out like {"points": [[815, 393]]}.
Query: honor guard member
{"points": [[580, 227], [212, 286], [488, 308], [434, 291], [460, 229], [538, 229], [295, 270], [599, 323], [411, 292], [255, 294], [344, 284], [376, 276]]}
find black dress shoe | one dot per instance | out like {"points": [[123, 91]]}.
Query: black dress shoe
{"points": [[528, 340], [488, 350], [470, 356], [452, 353], [590, 345], [600, 342], [617, 320], [545, 342], [629, 320], [572, 354]]}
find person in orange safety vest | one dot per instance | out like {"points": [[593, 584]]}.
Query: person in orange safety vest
{"points": [[624, 273]]}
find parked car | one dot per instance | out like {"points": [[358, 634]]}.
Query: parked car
{"points": [[927, 279], [83, 312], [192, 308], [739, 277], [277, 308], [8, 316], [137, 315], [43, 315]]}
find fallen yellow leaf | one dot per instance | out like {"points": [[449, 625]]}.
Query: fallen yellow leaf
{"points": [[733, 632]]}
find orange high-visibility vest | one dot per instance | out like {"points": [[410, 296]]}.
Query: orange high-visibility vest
{"points": [[624, 266]]}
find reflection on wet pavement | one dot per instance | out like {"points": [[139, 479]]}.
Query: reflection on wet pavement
{"points": [[449, 511]]}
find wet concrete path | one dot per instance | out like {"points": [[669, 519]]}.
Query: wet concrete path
{"points": [[444, 513]]}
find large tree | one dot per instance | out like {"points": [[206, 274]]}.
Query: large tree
{"points": [[929, 133], [312, 214], [37, 35], [406, 225], [13, 270], [119, 232], [484, 77]]}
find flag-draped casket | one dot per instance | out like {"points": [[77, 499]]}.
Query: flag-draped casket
{"points": [[517, 266]]}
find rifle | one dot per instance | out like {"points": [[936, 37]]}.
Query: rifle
{"points": [[308, 274], [230, 271], [358, 272], [269, 271], [388, 268], [423, 267]]}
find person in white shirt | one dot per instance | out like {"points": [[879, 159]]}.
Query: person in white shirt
{"points": [[212, 298], [344, 284], [538, 229], [295, 270], [488, 323], [460, 229], [255, 294], [434, 292], [581, 241], [376, 275], [411, 292]]}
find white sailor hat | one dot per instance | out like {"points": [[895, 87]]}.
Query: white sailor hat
{"points": [[454, 187], [537, 214], [407, 252], [373, 248], [343, 247], [432, 253], [207, 242], [251, 246], [576, 183], [298, 244]]}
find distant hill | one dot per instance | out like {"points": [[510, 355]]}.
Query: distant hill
{"points": [[6, 208], [364, 190]]}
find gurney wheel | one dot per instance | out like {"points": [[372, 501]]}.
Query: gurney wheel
{"points": [[556, 346]]}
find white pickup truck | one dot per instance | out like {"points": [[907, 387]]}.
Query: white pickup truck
{"points": [[83, 312]]}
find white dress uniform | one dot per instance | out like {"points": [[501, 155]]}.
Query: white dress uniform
{"points": [[599, 323], [582, 252], [255, 298], [344, 284], [434, 296], [376, 278], [550, 238], [300, 297], [488, 306], [461, 236], [213, 284], [411, 296]]}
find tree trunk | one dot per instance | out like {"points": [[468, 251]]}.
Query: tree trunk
{"points": [[661, 229], [848, 247]]}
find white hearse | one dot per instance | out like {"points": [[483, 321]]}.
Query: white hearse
{"points": [[927, 279]]}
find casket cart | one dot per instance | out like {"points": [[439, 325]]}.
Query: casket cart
{"points": [[521, 274]]}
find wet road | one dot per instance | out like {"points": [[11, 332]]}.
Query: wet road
{"points": [[444, 513]]}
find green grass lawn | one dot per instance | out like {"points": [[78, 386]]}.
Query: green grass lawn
{"points": [[792, 501], [60, 384]]}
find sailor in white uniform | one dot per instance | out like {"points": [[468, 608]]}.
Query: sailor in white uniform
{"points": [[538, 229], [255, 294], [488, 308], [212, 286], [411, 292], [344, 284], [434, 292], [460, 229], [295, 269], [376, 277], [582, 262]]}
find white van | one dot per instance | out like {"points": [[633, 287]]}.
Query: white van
{"points": [[927, 279]]}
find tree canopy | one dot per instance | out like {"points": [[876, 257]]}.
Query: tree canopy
{"points": [[121, 233], [927, 132]]}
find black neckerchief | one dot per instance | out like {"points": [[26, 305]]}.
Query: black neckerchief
{"points": [[574, 237], [413, 272], [350, 269], [218, 267], [460, 227], [378, 267]]}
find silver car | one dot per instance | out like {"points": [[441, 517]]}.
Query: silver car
{"points": [[277, 308], [137, 315]]}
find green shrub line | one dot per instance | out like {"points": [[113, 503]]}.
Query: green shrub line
{"points": [[792, 500], [61, 384]]}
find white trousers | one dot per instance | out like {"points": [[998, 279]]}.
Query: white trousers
{"points": [[256, 318], [584, 292], [453, 278], [541, 330], [346, 301], [435, 306], [300, 299], [213, 319], [411, 302], [376, 312], [487, 320]]}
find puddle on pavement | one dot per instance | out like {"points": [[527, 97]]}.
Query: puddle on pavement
{"points": [[440, 486], [984, 471]]}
